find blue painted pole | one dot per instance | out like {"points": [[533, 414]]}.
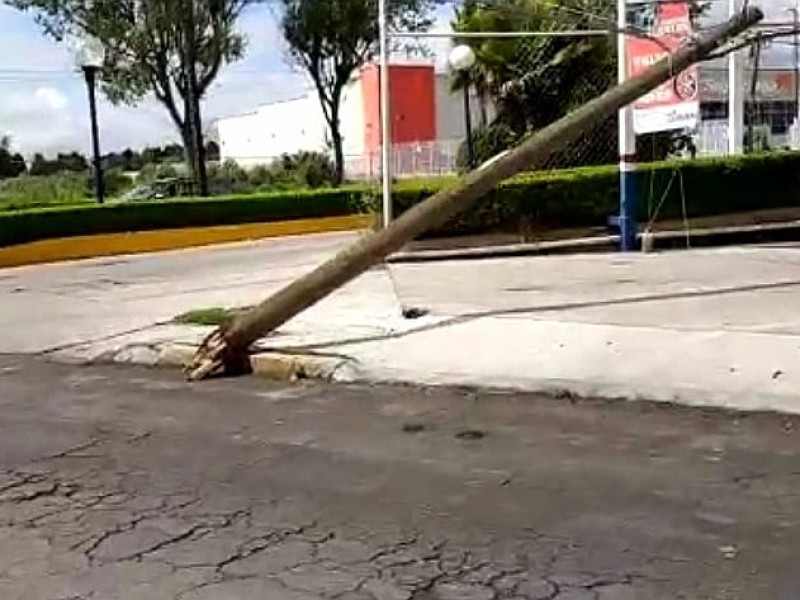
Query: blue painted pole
{"points": [[628, 178], [629, 192]]}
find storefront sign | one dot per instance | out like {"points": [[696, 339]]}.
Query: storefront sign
{"points": [[675, 104]]}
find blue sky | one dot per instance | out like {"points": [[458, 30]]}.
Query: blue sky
{"points": [[43, 104]]}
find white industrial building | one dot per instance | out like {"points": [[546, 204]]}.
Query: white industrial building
{"points": [[428, 124]]}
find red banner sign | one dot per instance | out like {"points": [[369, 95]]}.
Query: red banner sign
{"points": [[675, 104]]}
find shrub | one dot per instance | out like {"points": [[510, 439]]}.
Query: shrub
{"points": [[29, 191], [116, 182], [151, 172], [487, 142], [577, 197], [32, 191], [43, 223], [228, 178], [587, 196], [304, 169], [260, 176]]}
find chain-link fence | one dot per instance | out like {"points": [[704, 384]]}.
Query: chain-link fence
{"points": [[526, 82], [770, 109], [412, 159], [544, 65]]}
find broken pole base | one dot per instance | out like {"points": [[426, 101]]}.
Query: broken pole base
{"points": [[217, 357]]}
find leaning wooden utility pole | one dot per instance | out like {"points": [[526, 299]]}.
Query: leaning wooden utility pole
{"points": [[226, 350]]}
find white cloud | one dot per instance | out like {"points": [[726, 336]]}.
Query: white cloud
{"points": [[53, 98], [44, 105]]}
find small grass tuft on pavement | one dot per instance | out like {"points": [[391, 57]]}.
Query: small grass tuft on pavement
{"points": [[215, 316]]}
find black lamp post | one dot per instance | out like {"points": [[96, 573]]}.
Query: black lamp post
{"points": [[91, 55], [462, 58]]}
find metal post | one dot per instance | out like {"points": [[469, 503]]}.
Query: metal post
{"points": [[386, 117], [628, 180], [753, 105], [735, 94], [796, 47], [90, 73], [468, 128]]}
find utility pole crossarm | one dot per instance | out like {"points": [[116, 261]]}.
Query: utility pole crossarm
{"points": [[226, 350]]}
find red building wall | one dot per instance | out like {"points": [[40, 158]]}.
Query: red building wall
{"points": [[412, 94]]}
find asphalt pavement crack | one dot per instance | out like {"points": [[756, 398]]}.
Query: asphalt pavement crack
{"points": [[169, 498], [97, 541], [83, 505], [71, 451], [26, 479], [194, 532], [260, 543], [393, 549]]}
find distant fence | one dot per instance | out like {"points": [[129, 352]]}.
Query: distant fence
{"points": [[416, 159]]}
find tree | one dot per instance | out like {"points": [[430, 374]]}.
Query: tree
{"points": [[173, 49], [72, 162], [535, 81], [170, 153], [330, 39], [11, 165]]}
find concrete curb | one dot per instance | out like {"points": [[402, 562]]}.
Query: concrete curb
{"points": [[141, 242], [663, 240], [746, 375], [273, 365], [582, 245]]}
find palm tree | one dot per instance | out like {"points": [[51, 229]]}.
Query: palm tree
{"points": [[471, 17], [534, 81]]}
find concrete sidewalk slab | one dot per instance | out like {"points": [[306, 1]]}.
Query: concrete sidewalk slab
{"points": [[43, 309], [707, 327], [746, 371]]}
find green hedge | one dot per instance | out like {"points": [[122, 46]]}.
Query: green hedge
{"points": [[37, 224], [588, 196], [565, 198]]}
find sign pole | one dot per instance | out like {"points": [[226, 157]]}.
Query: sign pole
{"points": [[735, 94], [386, 118], [628, 180]]}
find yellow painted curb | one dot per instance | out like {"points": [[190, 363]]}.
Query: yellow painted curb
{"points": [[112, 244], [268, 365]]}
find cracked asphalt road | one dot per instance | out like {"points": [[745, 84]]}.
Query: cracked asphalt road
{"points": [[131, 484]]}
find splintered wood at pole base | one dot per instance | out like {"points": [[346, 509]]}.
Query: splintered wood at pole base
{"points": [[226, 350]]}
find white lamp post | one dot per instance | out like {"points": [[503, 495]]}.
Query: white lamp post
{"points": [[735, 93], [90, 56], [386, 117], [462, 59]]}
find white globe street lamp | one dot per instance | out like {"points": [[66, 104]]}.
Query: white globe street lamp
{"points": [[90, 54], [462, 59]]}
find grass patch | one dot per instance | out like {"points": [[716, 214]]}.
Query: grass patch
{"points": [[214, 316]]}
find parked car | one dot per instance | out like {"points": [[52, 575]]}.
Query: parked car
{"points": [[160, 189]]}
